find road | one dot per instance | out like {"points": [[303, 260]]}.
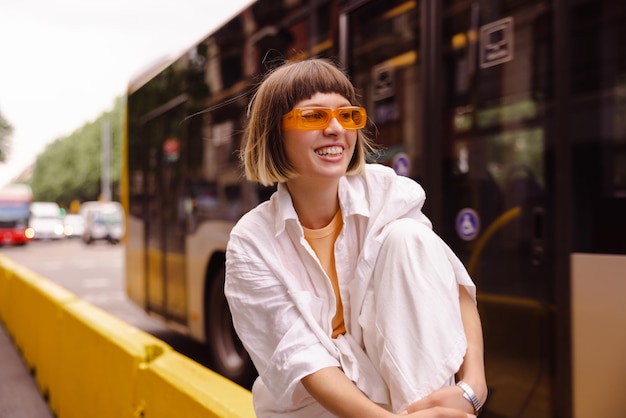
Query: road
{"points": [[95, 273]]}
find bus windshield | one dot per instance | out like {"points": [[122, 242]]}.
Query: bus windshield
{"points": [[13, 211]]}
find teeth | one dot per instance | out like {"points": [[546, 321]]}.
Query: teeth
{"points": [[329, 151]]}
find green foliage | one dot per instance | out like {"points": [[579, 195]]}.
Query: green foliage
{"points": [[6, 130], [70, 167]]}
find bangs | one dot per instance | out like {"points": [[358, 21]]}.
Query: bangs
{"points": [[302, 81]]}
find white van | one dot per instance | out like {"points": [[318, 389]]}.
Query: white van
{"points": [[103, 221]]}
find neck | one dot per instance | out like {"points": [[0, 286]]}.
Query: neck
{"points": [[315, 203]]}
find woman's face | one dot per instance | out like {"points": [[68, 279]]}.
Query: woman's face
{"points": [[323, 153]]}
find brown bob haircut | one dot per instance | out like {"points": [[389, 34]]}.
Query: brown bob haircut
{"points": [[263, 153]]}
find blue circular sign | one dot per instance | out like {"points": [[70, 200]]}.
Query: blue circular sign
{"points": [[467, 224], [401, 164]]}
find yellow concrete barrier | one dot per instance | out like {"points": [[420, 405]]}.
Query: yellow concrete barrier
{"points": [[6, 275], [98, 360], [6, 288], [89, 363], [36, 313], [175, 386], [28, 303]]}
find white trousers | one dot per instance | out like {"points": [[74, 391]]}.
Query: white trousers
{"points": [[410, 325], [411, 319]]}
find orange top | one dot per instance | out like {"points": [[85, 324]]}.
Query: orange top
{"points": [[323, 243]]}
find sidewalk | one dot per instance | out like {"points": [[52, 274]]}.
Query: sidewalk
{"points": [[19, 395]]}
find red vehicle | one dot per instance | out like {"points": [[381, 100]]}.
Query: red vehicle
{"points": [[14, 214]]}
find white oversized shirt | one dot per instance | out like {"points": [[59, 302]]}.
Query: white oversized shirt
{"points": [[282, 301]]}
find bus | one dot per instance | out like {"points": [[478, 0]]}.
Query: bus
{"points": [[15, 200], [511, 114]]}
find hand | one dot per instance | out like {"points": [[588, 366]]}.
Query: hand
{"points": [[449, 397]]}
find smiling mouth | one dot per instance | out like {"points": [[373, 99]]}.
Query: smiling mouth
{"points": [[329, 151]]}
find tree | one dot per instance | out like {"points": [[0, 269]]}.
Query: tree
{"points": [[6, 130], [69, 168]]}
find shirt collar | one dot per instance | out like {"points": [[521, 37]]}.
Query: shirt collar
{"points": [[283, 207], [353, 196], [352, 200]]}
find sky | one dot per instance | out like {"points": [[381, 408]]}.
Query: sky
{"points": [[63, 62]]}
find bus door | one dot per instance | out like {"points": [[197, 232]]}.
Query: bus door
{"points": [[164, 217], [496, 100], [381, 45]]}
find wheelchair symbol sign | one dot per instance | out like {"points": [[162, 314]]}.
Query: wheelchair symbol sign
{"points": [[401, 164], [467, 224]]}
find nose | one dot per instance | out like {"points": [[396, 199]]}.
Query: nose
{"points": [[334, 127]]}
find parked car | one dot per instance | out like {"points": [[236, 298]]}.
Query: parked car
{"points": [[46, 220], [104, 221], [74, 225]]}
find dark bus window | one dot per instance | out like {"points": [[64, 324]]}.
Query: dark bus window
{"points": [[598, 125]]}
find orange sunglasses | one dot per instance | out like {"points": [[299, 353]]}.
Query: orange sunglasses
{"points": [[314, 118]]}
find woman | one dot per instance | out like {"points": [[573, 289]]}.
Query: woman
{"points": [[347, 302]]}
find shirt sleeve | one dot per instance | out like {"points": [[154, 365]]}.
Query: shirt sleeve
{"points": [[462, 276], [268, 318], [416, 196], [404, 198], [392, 197]]}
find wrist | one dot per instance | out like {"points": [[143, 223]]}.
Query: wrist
{"points": [[471, 396], [477, 383]]}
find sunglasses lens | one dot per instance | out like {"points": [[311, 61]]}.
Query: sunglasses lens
{"points": [[351, 118], [344, 116], [315, 118]]}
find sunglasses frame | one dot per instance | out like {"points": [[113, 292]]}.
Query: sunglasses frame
{"points": [[293, 120]]}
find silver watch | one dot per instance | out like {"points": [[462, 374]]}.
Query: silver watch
{"points": [[468, 393]]}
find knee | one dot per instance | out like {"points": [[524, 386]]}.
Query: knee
{"points": [[405, 233]]}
